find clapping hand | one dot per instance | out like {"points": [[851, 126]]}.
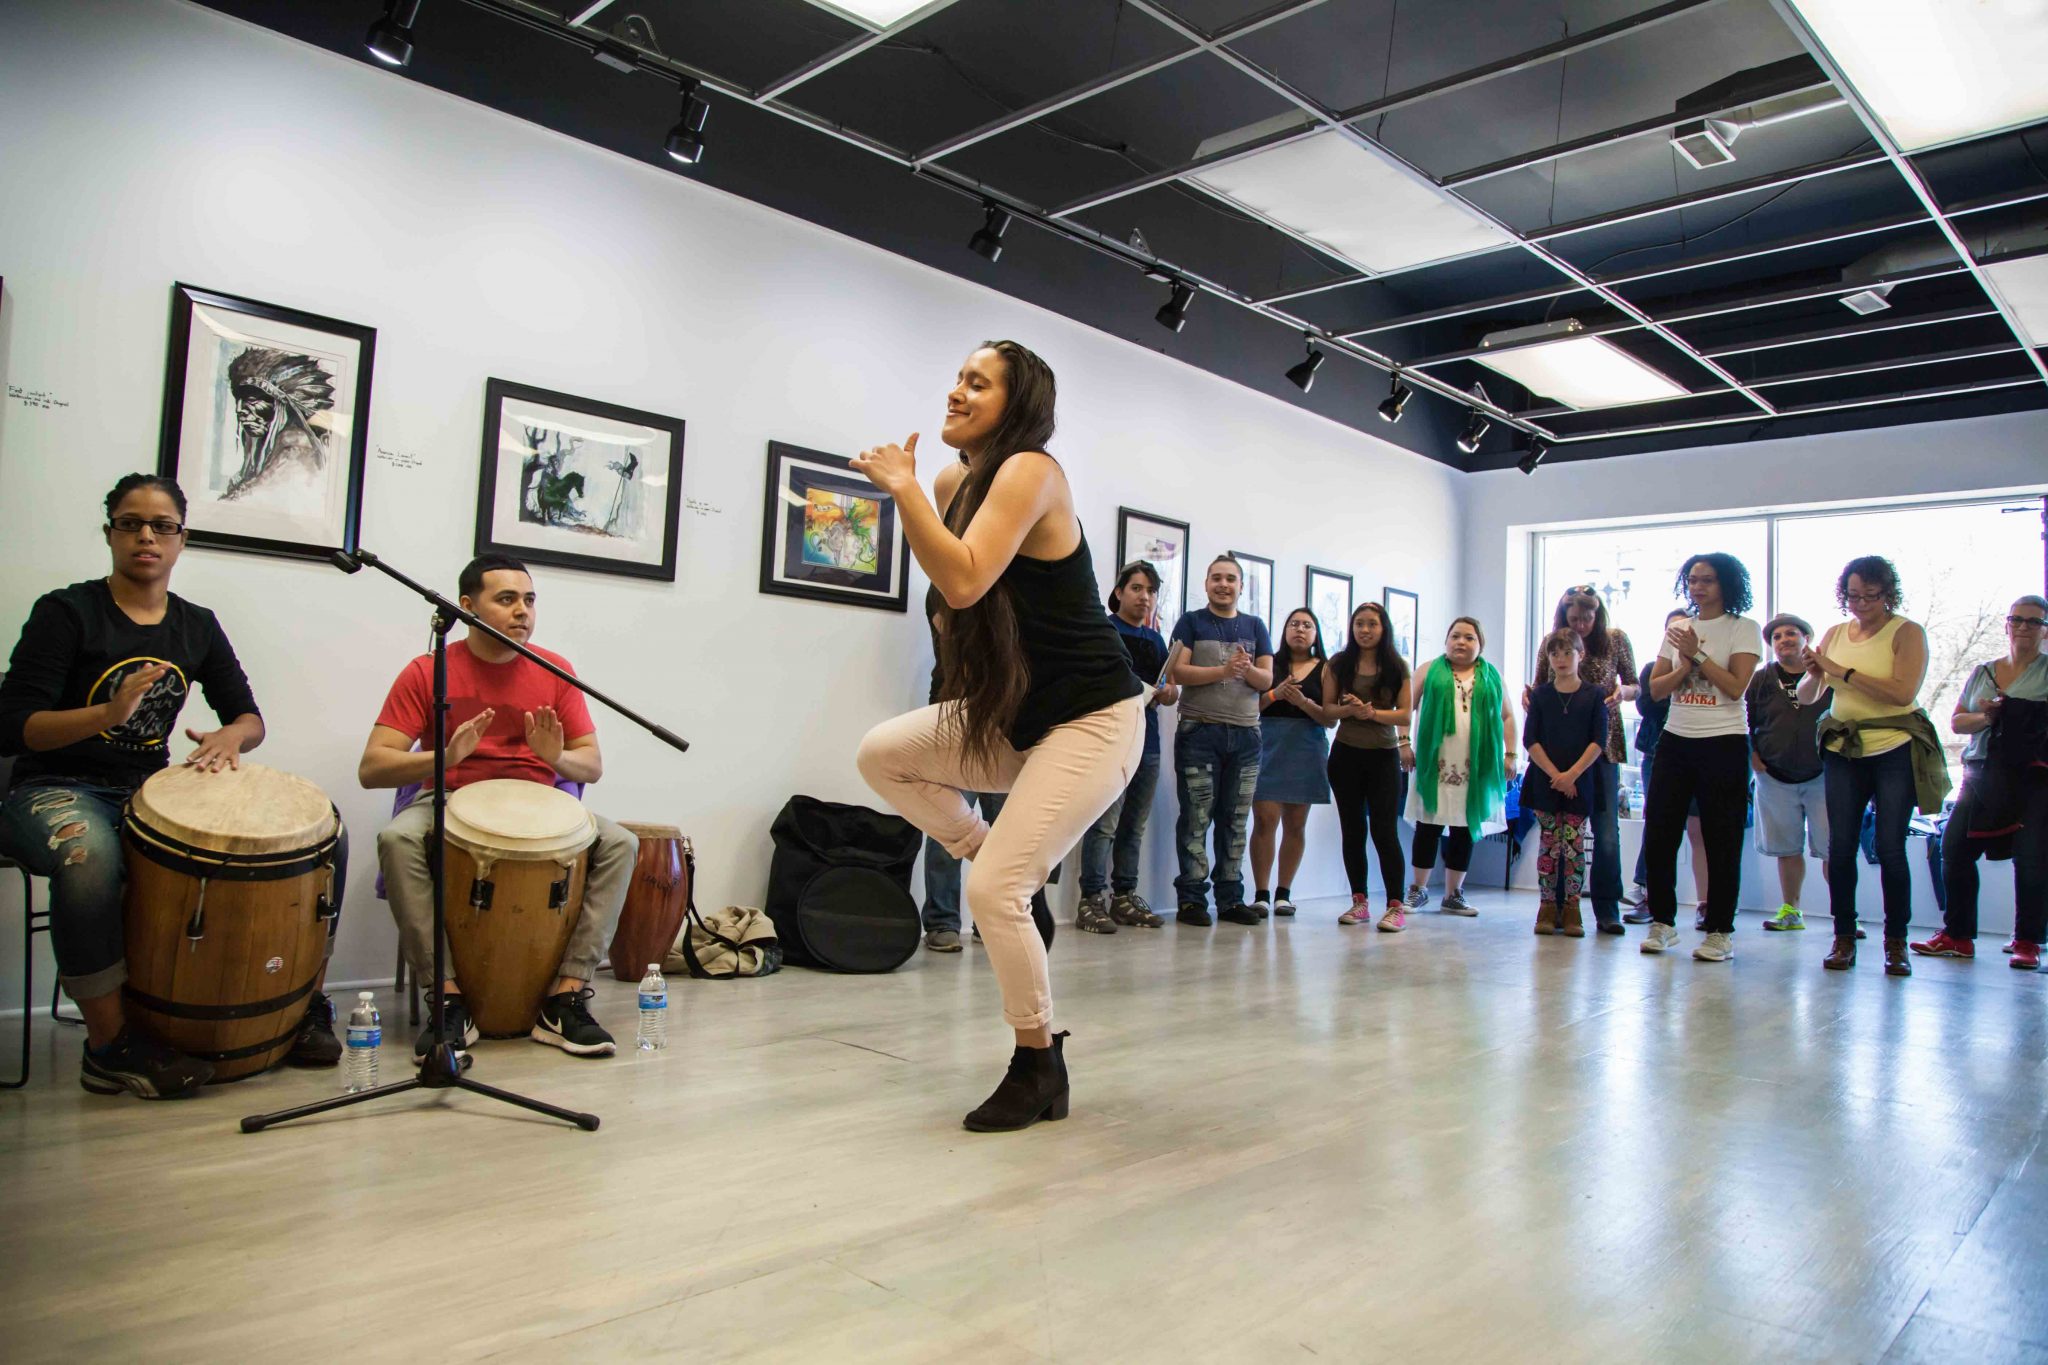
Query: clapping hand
{"points": [[1239, 662], [891, 468], [1684, 639], [1354, 707]]}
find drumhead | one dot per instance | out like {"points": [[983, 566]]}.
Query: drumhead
{"points": [[645, 831], [250, 809], [509, 818]]}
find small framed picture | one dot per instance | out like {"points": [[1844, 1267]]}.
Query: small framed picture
{"points": [[579, 484], [1163, 543], [829, 535], [266, 415], [1256, 598], [1329, 597], [1404, 615]]}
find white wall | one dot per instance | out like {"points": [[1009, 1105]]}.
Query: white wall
{"points": [[161, 142]]}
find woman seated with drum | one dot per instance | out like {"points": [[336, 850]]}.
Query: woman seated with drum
{"points": [[90, 699], [513, 720]]}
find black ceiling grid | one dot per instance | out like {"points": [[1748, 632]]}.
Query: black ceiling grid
{"points": [[1553, 118]]}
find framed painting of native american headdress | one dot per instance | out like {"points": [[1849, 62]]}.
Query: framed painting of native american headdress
{"points": [[266, 415], [579, 484]]}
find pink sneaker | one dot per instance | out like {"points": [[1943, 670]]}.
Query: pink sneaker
{"points": [[1359, 913], [1395, 920]]}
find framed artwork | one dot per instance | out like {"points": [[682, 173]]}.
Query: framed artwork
{"points": [[1329, 597], [265, 423], [1163, 542], [1404, 614], [578, 484], [829, 535], [1257, 596]]}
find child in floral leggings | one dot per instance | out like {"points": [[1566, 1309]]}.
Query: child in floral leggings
{"points": [[1566, 735]]}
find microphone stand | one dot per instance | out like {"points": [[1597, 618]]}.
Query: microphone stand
{"points": [[443, 1067]]}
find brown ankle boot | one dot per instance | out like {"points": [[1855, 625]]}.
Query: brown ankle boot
{"points": [[1546, 917], [1896, 962], [1572, 922], [1842, 956]]}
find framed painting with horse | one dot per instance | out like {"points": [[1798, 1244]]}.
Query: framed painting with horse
{"points": [[579, 484]]}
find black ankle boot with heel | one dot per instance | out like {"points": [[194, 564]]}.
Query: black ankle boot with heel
{"points": [[1034, 1088]]}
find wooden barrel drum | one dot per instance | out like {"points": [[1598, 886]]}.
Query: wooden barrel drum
{"points": [[230, 890], [656, 901]]}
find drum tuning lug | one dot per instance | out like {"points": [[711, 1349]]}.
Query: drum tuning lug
{"points": [[558, 894], [480, 893]]}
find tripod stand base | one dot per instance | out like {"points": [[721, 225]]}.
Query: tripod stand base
{"points": [[441, 1070]]}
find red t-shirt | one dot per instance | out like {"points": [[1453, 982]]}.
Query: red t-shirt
{"points": [[512, 689]]}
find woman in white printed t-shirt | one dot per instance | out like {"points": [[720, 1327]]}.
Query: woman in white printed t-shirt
{"points": [[1703, 669]]}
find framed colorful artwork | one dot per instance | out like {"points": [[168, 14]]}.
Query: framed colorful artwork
{"points": [[829, 535], [1163, 543], [1329, 597]]}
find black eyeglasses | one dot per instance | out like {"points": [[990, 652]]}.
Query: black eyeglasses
{"points": [[2025, 622], [163, 526]]}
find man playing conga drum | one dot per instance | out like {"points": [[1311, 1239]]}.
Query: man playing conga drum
{"points": [[91, 698], [508, 718]]}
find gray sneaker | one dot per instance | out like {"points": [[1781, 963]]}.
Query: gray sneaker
{"points": [[1418, 896], [1454, 904], [1661, 938], [942, 941], [1717, 948], [1130, 909], [1093, 916]]}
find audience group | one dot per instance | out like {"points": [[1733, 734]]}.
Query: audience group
{"points": [[1819, 745]]}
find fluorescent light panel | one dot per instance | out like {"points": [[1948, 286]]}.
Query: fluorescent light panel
{"points": [[1938, 70], [881, 14], [1582, 372], [1354, 203], [2023, 283]]}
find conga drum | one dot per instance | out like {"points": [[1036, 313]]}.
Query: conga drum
{"points": [[230, 890], [656, 901], [516, 855]]}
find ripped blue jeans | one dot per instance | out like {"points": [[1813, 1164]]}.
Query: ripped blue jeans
{"points": [[70, 832], [1216, 769]]}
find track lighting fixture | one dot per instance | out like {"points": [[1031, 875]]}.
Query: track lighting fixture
{"points": [[1173, 314], [686, 140], [1537, 450], [390, 38], [988, 241], [1304, 374], [1396, 399], [1474, 432]]}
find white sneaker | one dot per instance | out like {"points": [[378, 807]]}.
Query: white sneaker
{"points": [[1717, 948], [1661, 937]]}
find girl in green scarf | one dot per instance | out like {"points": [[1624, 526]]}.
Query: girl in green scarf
{"points": [[1464, 759]]}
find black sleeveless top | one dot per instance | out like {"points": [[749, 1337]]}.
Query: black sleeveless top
{"points": [[1073, 658]]}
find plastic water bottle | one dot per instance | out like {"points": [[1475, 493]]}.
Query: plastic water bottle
{"points": [[365, 1037], [653, 1010]]}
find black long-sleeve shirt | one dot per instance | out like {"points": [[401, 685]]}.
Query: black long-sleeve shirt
{"points": [[75, 650]]}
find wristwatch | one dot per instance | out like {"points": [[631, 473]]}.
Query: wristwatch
{"points": [[1700, 657]]}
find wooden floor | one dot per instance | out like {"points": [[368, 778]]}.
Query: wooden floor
{"points": [[1461, 1143]]}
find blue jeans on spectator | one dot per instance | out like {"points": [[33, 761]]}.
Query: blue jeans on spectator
{"points": [[942, 872], [1886, 782], [1110, 849], [1216, 769]]}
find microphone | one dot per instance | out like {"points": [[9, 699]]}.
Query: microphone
{"points": [[344, 561]]}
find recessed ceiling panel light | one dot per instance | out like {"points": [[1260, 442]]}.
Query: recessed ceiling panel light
{"points": [[1581, 372], [1937, 70], [2022, 281], [1355, 203], [881, 14]]}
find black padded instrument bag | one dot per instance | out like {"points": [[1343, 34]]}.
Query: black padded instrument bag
{"points": [[839, 886]]}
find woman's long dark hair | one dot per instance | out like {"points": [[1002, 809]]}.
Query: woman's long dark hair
{"points": [[1393, 669], [1597, 644], [1283, 653], [981, 658]]}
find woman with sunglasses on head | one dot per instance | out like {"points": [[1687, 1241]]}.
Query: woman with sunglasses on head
{"points": [[2005, 794], [1608, 668], [1878, 749], [88, 708]]}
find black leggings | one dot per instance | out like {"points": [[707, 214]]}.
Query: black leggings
{"points": [[1367, 786], [1714, 771], [1457, 847], [1959, 854]]}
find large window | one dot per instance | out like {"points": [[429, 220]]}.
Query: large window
{"points": [[1961, 564]]}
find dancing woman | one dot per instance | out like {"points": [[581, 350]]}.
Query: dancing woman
{"points": [[1038, 697]]}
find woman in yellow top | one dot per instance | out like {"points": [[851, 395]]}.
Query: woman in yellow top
{"points": [[1876, 662]]}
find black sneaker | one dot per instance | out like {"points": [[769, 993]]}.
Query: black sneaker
{"points": [[142, 1066], [1093, 916], [1240, 914], [565, 1023], [1190, 913], [316, 1044], [461, 1030]]}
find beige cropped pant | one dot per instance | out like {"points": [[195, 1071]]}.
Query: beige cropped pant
{"points": [[1056, 789]]}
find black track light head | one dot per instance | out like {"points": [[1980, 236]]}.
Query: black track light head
{"points": [[1537, 450], [685, 142], [1173, 314], [390, 38], [1474, 432], [1396, 399], [988, 241], [1304, 374]]}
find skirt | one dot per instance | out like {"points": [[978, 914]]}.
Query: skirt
{"points": [[1294, 755]]}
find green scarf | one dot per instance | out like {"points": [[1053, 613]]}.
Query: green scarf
{"points": [[1439, 717]]}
